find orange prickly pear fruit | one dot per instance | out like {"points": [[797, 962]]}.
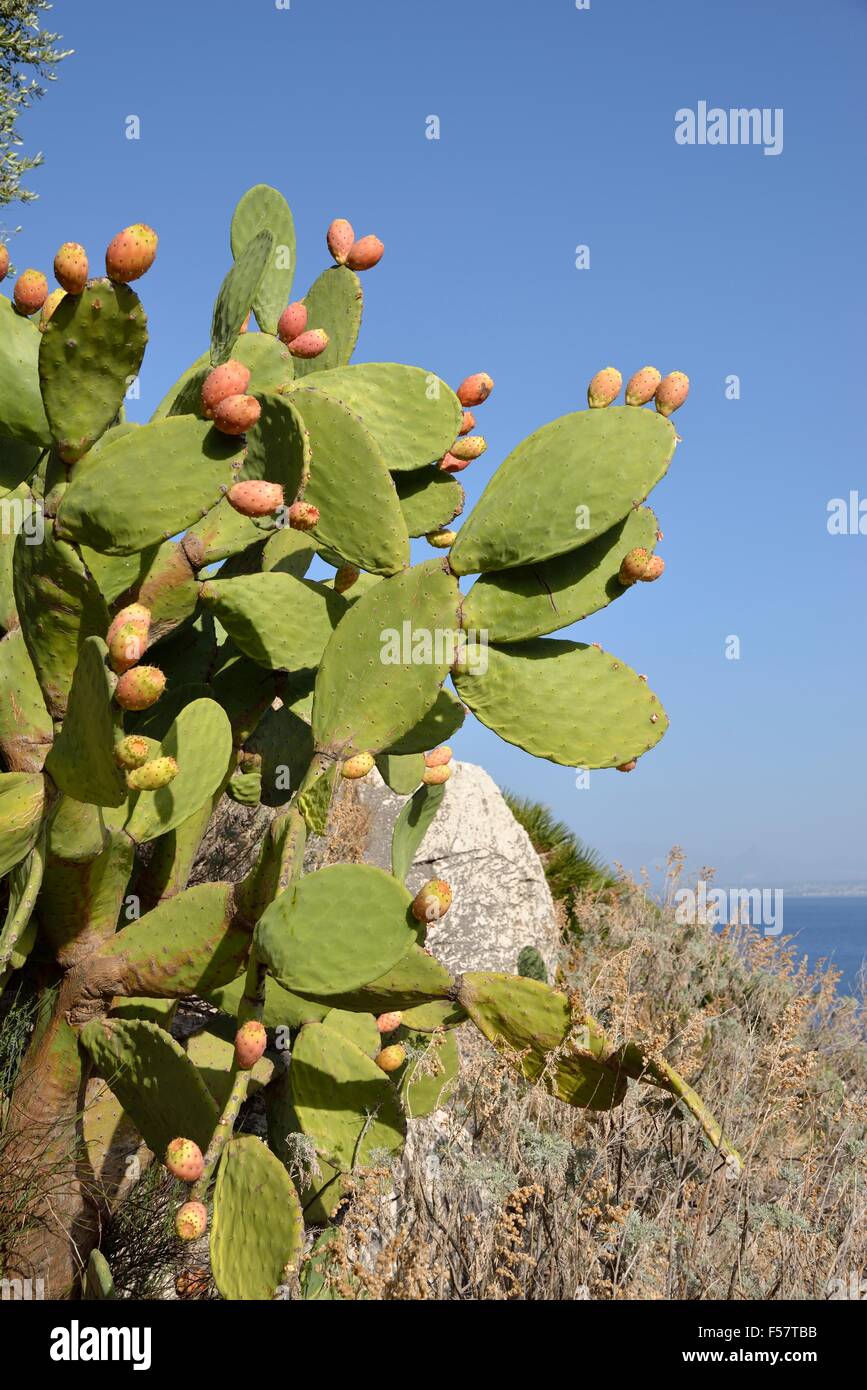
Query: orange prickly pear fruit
{"points": [[389, 1023], [4, 260], [391, 1058], [346, 577], [70, 267], [671, 392], [468, 423], [357, 766], [237, 414], [435, 776], [131, 752], [191, 1220], [449, 463], [365, 254], [604, 388], [30, 292], [432, 901], [303, 516], [184, 1160], [655, 566], [140, 687], [341, 239], [438, 757], [309, 344], [441, 540], [292, 322], [48, 308], [469, 448], [152, 776], [255, 498], [628, 767], [230, 379], [633, 565], [641, 386], [131, 253], [473, 390], [251, 1040]]}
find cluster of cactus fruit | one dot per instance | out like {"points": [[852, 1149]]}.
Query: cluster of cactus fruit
{"points": [[163, 647]]}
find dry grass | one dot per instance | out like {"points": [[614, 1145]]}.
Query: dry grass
{"points": [[513, 1195]]}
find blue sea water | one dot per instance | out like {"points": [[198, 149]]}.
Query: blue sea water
{"points": [[830, 926], [835, 927]]}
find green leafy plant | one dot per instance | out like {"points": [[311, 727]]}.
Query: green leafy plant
{"points": [[163, 645]]}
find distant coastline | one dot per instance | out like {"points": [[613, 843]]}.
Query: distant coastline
{"points": [[826, 890]]}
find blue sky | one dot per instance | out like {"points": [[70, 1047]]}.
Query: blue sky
{"points": [[557, 129]]}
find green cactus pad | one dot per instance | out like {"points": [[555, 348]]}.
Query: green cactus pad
{"points": [[277, 620], [98, 1282], [336, 930], [91, 350], [190, 944], [22, 414], [118, 574], [257, 1229], [26, 729], [263, 208], [213, 1057], [245, 788], [243, 688], [413, 416], [334, 302], [25, 881], [17, 462], [359, 1028], [402, 772], [288, 551], [343, 1102], [200, 741], [439, 1013], [82, 762], [154, 1080], [147, 486], [278, 448], [369, 706], [566, 702], [411, 826], [604, 461], [285, 744], [59, 606], [532, 600], [360, 514], [429, 1076], [444, 718], [77, 831], [28, 517], [237, 293], [22, 798], [416, 979], [429, 499], [532, 1025], [282, 1009]]}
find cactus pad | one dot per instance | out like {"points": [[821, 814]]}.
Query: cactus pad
{"points": [[237, 293], [342, 1100], [263, 208], [334, 302], [82, 762], [592, 467], [336, 930], [566, 702]]}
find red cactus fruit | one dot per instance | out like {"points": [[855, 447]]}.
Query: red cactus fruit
{"points": [[30, 292], [70, 267], [255, 498], [365, 254], [237, 414], [341, 239], [131, 253], [432, 901], [251, 1040], [184, 1160], [230, 379], [292, 322], [475, 389]]}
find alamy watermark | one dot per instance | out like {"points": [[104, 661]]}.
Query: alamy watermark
{"points": [[757, 907], [739, 125], [439, 646], [20, 516]]}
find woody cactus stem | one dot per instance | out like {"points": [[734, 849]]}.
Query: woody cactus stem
{"points": [[162, 647]]}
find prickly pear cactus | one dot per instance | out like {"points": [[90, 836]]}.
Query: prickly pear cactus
{"points": [[163, 646]]}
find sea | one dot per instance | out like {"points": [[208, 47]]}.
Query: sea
{"points": [[833, 926]]}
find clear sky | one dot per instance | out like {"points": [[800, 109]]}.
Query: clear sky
{"points": [[557, 129]]}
